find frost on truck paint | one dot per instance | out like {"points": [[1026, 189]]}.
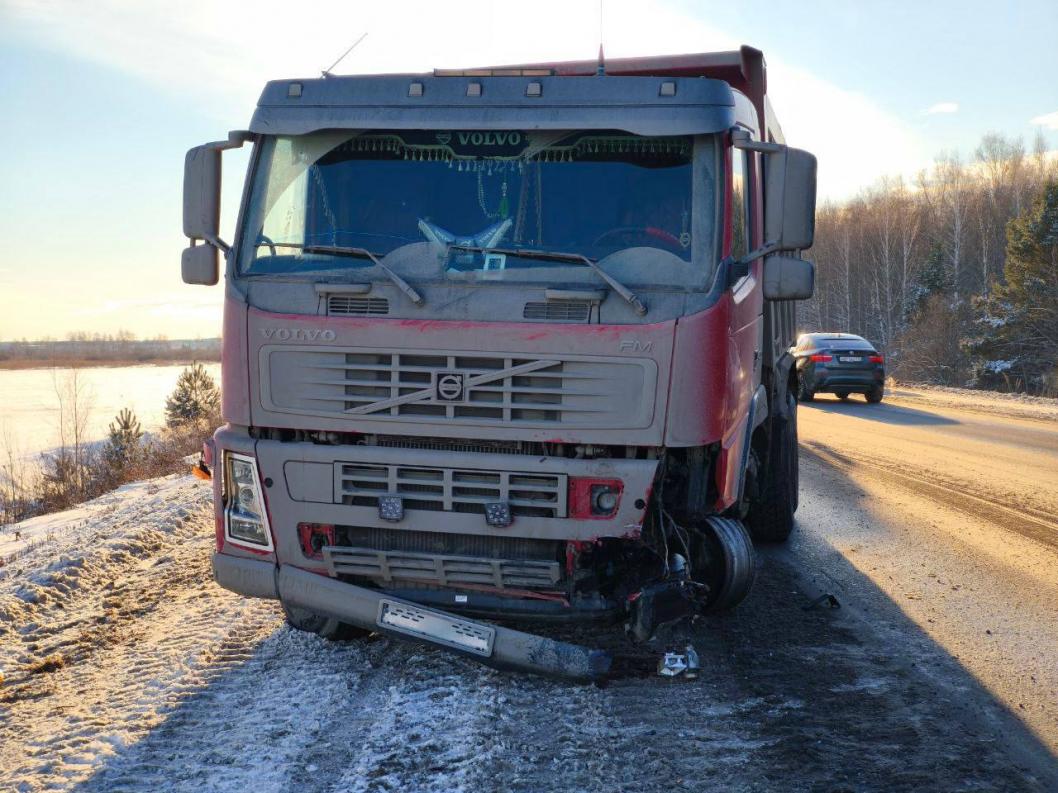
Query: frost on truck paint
{"points": [[469, 312]]}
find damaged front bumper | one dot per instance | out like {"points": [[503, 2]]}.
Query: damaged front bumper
{"points": [[492, 645]]}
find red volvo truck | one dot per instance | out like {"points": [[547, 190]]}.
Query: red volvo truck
{"points": [[504, 345]]}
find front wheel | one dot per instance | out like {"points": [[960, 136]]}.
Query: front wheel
{"points": [[325, 627], [874, 396]]}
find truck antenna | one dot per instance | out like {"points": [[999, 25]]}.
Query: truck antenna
{"points": [[327, 72], [601, 69]]}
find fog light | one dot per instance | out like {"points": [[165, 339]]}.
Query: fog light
{"points": [[245, 519], [603, 500], [594, 498], [314, 537]]}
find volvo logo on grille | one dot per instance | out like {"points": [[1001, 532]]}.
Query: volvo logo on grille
{"points": [[450, 386]]}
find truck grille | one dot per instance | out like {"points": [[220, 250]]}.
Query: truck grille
{"points": [[450, 571], [460, 388], [350, 306], [451, 489], [438, 543], [558, 310]]}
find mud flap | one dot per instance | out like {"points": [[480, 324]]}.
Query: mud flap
{"points": [[492, 645]]}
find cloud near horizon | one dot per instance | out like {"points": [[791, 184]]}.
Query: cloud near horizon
{"points": [[227, 72], [1049, 120], [942, 108]]}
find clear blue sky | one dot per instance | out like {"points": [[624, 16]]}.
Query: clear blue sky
{"points": [[102, 99]]}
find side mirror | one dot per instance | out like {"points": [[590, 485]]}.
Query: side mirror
{"points": [[788, 278], [200, 264], [790, 199], [202, 193]]}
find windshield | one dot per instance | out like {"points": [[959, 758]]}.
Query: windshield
{"points": [[445, 198]]}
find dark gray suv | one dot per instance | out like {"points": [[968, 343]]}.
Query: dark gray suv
{"points": [[838, 363]]}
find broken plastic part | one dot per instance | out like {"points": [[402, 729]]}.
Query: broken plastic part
{"points": [[672, 665]]}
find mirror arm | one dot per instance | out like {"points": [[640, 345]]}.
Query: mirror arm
{"points": [[218, 243], [764, 250], [739, 268], [741, 139], [236, 138]]}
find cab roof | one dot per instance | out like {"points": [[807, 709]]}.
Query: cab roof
{"points": [[524, 99]]}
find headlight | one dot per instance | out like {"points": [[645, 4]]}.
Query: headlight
{"points": [[245, 519]]}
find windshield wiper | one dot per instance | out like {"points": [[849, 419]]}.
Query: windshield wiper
{"points": [[630, 297], [364, 253]]}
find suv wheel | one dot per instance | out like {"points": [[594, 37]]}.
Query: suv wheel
{"points": [[874, 396], [804, 393]]}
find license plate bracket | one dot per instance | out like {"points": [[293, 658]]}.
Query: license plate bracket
{"points": [[436, 627]]}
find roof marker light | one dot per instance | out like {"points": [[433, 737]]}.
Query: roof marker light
{"points": [[473, 89], [534, 89], [294, 91], [668, 88], [415, 89]]}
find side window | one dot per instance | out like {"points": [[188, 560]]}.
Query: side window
{"points": [[739, 204]]}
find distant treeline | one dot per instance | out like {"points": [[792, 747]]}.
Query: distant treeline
{"points": [[85, 349], [955, 275]]}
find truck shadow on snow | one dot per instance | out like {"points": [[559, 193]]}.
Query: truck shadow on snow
{"points": [[884, 413], [792, 697]]}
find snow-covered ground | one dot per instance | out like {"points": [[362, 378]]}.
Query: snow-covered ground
{"points": [[1021, 406], [127, 669]]}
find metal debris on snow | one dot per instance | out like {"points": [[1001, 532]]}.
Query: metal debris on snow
{"points": [[685, 664]]}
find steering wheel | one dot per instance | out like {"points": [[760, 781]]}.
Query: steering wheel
{"points": [[627, 236], [263, 239]]}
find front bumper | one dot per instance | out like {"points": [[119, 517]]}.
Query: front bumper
{"points": [[323, 484], [509, 650]]}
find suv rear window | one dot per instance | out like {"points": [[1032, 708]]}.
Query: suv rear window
{"points": [[847, 344]]}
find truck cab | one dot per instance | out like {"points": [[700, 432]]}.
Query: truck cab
{"points": [[506, 344]]}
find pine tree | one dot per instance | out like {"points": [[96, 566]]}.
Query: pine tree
{"points": [[123, 440], [196, 397], [1023, 311], [935, 276]]}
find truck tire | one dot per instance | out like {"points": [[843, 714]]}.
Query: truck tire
{"points": [[733, 562], [874, 396], [325, 627], [771, 514]]}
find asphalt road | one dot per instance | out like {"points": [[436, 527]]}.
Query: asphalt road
{"points": [[933, 528], [948, 518]]}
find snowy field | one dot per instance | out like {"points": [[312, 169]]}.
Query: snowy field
{"points": [[29, 404]]}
